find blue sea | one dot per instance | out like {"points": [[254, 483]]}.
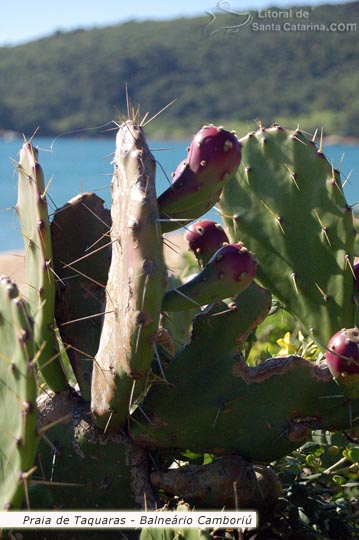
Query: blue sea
{"points": [[77, 165]]}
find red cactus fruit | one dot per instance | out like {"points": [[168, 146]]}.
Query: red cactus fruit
{"points": [[233, 262], [213, 157], [217, 148], [342, 357], [204, 238]]}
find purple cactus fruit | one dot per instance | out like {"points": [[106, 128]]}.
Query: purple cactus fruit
{"points": [[213, 157], [233, 262], [356, 274], [229, 272], [342, 357], [217, 148], [204, 238]]}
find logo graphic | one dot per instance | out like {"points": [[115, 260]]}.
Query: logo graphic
{"points": [[243, 19]]}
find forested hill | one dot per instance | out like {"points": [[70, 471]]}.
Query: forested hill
{"points": [[273, 68]]}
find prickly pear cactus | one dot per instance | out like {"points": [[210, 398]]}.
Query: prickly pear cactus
{"points": [[81, 267], [287, 205], [150, 383], [136, 282], [18, 419], [31, 208]]}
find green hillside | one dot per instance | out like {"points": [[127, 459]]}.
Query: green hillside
{"points": [[235, 75]]}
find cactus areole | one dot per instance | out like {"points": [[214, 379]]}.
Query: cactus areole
{"points": [[342, 357]]}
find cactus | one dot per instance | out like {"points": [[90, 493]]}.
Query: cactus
{"points": [[153, 385], [32, 211], [136, 282], [287, 205], [18, 420], [81, 267], [236, 397]]}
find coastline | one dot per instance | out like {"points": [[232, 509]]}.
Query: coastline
{"points": [[12, 263], [328, 140]]}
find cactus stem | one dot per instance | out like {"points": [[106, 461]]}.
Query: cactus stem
{"points": [[88, 317]]}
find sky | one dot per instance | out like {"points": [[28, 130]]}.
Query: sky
{"points": [[24, 20]]}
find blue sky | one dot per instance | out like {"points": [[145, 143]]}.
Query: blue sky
{"points": [[24, 20]]}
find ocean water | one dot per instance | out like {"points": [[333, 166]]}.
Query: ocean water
{"points": [[77, 165]]}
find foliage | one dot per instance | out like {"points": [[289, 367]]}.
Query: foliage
{"points": [[272, 75]]}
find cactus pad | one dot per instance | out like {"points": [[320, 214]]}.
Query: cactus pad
{"points": [[81, 263], [18, 420], [287, 205], [136, 282], [31, 208]]}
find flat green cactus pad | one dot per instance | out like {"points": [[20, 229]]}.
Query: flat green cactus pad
{"points": [[18, 417], [81, 263], [214, 402], [287, 205]]}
